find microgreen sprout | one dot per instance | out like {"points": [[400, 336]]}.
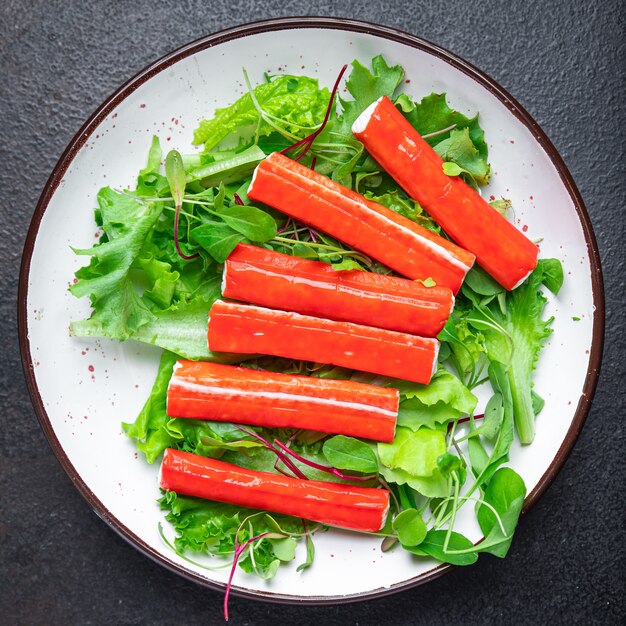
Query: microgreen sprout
{"points": [[175, 173], [307, 142]]}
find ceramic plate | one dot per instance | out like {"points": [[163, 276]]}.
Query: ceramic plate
{"points": [[82, 389]]}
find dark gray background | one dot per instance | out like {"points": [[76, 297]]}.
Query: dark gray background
{"points": [[564, 61]]}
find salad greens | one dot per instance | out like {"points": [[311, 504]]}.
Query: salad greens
{"points": [[156, 270]]}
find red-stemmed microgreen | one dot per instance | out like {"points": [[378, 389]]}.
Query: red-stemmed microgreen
{"points": [[307, 142], [239, 549], [324, 468], [326, 250], [175, 174], [284, 458], [464, 420]]}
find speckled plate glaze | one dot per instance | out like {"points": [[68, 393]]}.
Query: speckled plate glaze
{"points": [[83, 389]]}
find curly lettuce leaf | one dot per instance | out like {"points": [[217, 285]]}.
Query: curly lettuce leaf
{"points": [[445, 398], [118, 310], [182, 329], [208, 527], [365, 86], [515, 335], [296, 100]]}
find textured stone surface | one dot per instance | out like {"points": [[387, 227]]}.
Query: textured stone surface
{"points": [[59, 564]]}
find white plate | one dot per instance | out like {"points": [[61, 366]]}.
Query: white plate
{"points": [[83, 389]]}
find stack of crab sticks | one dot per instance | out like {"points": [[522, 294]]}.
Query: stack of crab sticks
{"points": [[301, 309]]}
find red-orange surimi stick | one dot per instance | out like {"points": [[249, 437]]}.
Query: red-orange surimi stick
{"points": [[383, 234], [345, 506], [227, 393], [281, 281], [247, 329], [500, 248]]}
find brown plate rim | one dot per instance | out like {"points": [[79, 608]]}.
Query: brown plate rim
{"points": [[254, 28]]}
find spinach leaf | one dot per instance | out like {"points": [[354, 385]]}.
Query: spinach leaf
{"points": [[251, 222], [218, 239], [350, 454], [433, 546], [505, 493]]}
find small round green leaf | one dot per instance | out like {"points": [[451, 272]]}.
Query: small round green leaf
{"points": [[410, 527]]}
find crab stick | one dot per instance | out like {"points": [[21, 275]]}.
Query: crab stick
{"points": [[226, 393], [379, 232], [281, 281], [500, 248], [345, 506], [246, 329]]}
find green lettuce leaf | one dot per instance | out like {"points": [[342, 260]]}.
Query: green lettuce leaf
{"points": [[398, 201], [348, 155], [149, 429], [366, 87], [183, 329], [118, 310], [412, 459], [296, 100], [433, 114], [517, 339], [208, 527], [445, 398], [459, 149]]}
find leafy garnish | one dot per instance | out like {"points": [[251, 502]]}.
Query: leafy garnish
{"points": [[118, 309], [158, 268], [296, 101]]}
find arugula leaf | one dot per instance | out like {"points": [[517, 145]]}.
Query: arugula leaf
{"points": [[296, 100], [366, 87], [432, 114], [459, 149], [552, 274], [310, 553], [481, 283], [253, 223], [349, 453], [118, 310]]}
